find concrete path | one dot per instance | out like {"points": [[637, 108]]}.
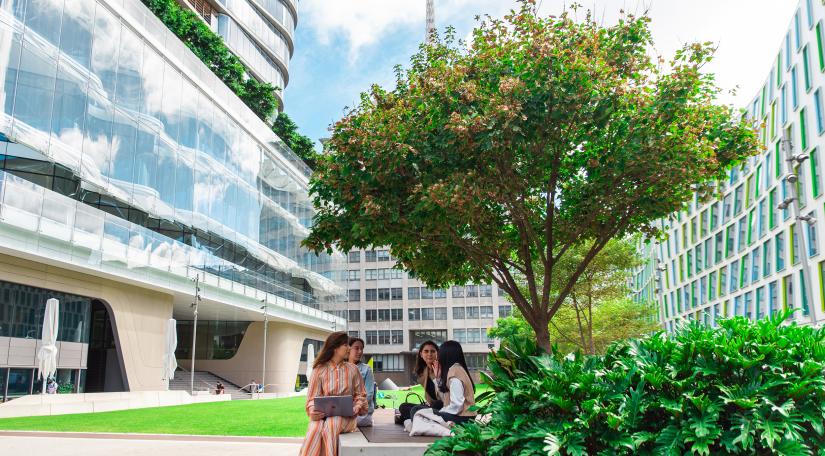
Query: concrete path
{"points": [[88, 444]]}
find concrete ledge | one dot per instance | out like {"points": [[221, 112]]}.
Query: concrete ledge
{"points": [[61, 404], [355, 444]]}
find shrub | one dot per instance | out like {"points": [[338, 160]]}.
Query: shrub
{"points": [[743, 388], [210, 48]]}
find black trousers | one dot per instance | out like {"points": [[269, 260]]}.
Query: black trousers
{"points": [[454, 418]]}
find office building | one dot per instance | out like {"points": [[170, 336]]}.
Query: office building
{"points": [[394, 313], [756, 248], [127, 170]]}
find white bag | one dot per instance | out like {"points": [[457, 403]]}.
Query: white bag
{"points": [[426, 422]]}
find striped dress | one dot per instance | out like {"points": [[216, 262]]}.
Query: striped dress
{"points": [[332, 380]]}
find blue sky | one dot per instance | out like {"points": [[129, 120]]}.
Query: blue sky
{"points": [[343, 46]]}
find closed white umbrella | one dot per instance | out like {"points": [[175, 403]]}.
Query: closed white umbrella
{"points": [[170, 363], [310, 359], [47, 355]]}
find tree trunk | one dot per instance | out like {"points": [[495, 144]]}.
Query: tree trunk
{"points": [[541, 327]]}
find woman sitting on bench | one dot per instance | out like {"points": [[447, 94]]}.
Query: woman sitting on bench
{"points": [[332, 375], [456, 386]]}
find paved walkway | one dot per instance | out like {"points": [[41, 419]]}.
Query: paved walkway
{"points": [[88, 444]]}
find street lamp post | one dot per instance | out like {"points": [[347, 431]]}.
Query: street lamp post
{"points": [[194, 335], [266, 330], [793, 201]]}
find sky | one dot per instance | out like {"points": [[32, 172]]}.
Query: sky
{"points": [[344, 46]]}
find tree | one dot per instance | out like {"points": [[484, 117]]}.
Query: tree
{"points": [[303, 147], [546, 133]]}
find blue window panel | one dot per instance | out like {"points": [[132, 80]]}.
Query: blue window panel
{"points": [[809, 10], [788, 51], [820, 122], [783, 97], [796, 28]]}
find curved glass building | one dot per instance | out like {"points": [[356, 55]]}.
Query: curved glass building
{"points": [[260, 32], [127, 170]]}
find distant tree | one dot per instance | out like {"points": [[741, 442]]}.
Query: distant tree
{"points": [[597, 310], [302, 145], [542, 135]]}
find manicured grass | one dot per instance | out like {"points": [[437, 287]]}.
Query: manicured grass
{"points": [[267, 417]]}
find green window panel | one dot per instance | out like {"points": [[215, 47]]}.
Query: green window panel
{"points": [[762, 104], [779, 69], [778, 162], [785, 293], [806, 67], [750, 227], [803, 129], [772, 207], [773, 121], [814, 159], [758, 176], [742, 272], [821, 287], [819, 51]]}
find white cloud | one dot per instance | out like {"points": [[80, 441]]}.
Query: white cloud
{"points": [[362, 23], [748, 32]]}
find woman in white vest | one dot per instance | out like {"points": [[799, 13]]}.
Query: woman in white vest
{"points": [[456, 386]]}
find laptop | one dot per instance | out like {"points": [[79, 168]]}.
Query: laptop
{"points": [[335, 405]]}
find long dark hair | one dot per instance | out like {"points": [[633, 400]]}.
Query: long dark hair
{"points": [[333, 341], [449, 354], [420, 364]]}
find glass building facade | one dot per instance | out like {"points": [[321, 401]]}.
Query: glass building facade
{"points": [[748, 251], [95, 112], [124, 158]]}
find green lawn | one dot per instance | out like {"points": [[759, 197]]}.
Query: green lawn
{"points": [[266, 417]]}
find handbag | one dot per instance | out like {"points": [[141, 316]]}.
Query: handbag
{"points": [[403, 412]]}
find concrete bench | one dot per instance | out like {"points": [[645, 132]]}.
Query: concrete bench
{"points": [[383, 438]]}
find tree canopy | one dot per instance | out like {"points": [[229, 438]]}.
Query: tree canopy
{"points": [[542, 134]]}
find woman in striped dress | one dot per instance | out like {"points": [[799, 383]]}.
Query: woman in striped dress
{"points": [[332, 375]]}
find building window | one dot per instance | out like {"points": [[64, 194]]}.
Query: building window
{"points": [[383, 314], [397, 314], [353, 274], [383, 255], [486, 311], [458, 313], [371, 315], [354, 256], [397, 337], [371, 294], [819, 50], [803, 129], [383, 294], [439, 336], [440, 313], [388, 363], [426, 293], [505, 311], [472, 291], [485, 291], [460, 336], [440, 293], [396, 294], [369, 256], [780, 251], [370, 274], [384, 337], [354, 295], [813, 246], [458, 292], [794, 233], [794, 89], [796, 28], [372, 337], [427, 313], [413, 293], [354, 315], [353, 334], [414, 314], [472, 312]]}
